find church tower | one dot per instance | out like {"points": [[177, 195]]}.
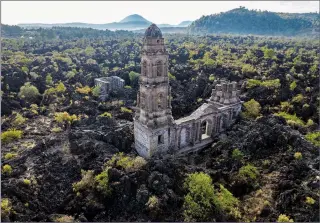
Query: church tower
{"points": [[153, 119]]}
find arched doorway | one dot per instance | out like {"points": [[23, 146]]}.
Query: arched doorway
{"points": [[205, 130]]}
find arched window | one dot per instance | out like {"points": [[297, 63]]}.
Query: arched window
{"points": [[160, 101], [159, 68], [144, 68], [204, 130]]}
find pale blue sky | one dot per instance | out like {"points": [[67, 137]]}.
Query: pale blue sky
{"points": [[172, 12]]}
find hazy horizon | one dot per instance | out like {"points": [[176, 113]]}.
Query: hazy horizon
{"points": [[18, 12]]}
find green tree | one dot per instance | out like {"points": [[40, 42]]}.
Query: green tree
{"points": [[252, 109], [248, 70], [199, 200], [96, 91], [133, 77], [268, 53], [29, 92], [227, 203], [49, 79]]}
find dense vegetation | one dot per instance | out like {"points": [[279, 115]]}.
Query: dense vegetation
{"points": [[68, 156], [244, 21]]}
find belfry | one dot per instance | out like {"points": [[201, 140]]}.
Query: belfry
{"points": [[153, 116], [155, 130]]}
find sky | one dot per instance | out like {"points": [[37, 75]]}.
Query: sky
{"points": [[172, 12]]}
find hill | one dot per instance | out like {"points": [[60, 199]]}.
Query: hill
{"points": [[134, 18], [244, 21], [185, 23]]}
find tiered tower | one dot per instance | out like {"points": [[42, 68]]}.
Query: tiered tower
{"points": [[225, 93], [153, 118]]}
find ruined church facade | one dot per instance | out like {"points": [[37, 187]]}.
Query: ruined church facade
{"points": [[155, 130]]}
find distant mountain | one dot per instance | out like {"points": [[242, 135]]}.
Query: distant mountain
{"points": [[134, 18], [244, 21], [185, 23], [131, 22]]}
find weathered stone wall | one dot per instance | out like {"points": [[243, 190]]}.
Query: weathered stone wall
{"points": [[147, 141], [141, 139]]}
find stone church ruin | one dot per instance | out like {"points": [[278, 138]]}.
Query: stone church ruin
{"points": [[155, 130], [107, 85]]}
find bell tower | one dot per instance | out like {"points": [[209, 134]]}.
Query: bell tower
{"points": [[153, 118]]}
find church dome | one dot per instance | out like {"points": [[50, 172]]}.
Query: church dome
{"points": [[153, 31]]}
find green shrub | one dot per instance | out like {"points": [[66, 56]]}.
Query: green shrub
{"points": [[65, 218], [285, 106], [133, 76], [126, 162], [29, 92], [248, 172], [34, 75], [87, 181], [139, 162], [308, 89], [19, 120], [126, 110], [10, 135], [284, 218], [10, 156], [56, 129], [300, 76], [266, 163], [106, 114], [268, 53], [293, 85], [153, 202], [252, 109], [310, 200], [199, 100], [309, 122], [7, 169], [59, 88], [102, 182], [34, 108], [248, 69], [65, 117], [96, 91], [84, 90], [211, 78], [128, 87], [291, 119], [49, 79], [267, 83], [237, 154], [26, 181], [70, 74], [298, 98], [171, 76], [305, 106], [314, 138], [226, 202], [298, 156], [200, 197], [6, 208]]}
